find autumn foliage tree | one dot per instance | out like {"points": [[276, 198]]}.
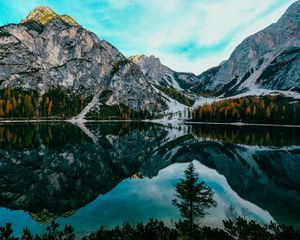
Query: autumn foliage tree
{"points": [[267, 109], [18, 103]]}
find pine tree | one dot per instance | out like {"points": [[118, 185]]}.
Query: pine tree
{"points": [[2, 114], [8, 107], [193, 198], [50, 108], [268, 113]]}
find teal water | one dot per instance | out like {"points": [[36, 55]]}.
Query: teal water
{"points": [[108, 174]]}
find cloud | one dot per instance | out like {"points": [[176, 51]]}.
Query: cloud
{"points": [[197, 65], [187, 35], [197, 35], [223, 18]]}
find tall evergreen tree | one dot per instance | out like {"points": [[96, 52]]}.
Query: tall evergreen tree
{"points": [[193, 198]]}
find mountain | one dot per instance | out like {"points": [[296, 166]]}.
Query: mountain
{"points": [[47, 51], [160, 74], [269, 59], [51, 67]]}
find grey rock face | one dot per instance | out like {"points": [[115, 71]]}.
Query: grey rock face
{"points": [[40, 57], [283, 72], [129, 80], [272, 53], [159, 74]]}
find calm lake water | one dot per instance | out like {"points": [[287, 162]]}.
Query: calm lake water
{"points": [[111, 173]]}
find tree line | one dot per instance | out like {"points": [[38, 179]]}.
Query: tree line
{"points": [[238, 229], [251, 109], [18, 103], [59, 103]]}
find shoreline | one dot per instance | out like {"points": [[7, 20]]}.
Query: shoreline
{"points": [[176, 122], [241, 124], [61, 120]]}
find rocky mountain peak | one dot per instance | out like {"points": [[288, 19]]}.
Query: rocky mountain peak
{"points": [[161, 74], [268, 59], [44, 15], [150, 61], [292, 15]]}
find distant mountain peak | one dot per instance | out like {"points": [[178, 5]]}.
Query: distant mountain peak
{"points": [[161, 74], [44, 14], [143, 58], [268, 59]]}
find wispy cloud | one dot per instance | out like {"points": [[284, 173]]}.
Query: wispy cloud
{"points": [[187, 35]]}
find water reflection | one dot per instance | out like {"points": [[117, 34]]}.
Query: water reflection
{"points": [[249, 135], [59, 170]]}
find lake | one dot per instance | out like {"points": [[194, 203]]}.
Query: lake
{"points": [[110, 173]]}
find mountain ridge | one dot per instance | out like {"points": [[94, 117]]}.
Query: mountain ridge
{"points": [[251, 62], [163, 75], [267, 59]]}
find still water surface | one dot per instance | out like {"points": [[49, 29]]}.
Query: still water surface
{"points": [[111, 173]]}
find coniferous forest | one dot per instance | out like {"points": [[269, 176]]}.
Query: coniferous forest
{"points": [[266, 109], [58, 104], [18, 104], [236, 229]]}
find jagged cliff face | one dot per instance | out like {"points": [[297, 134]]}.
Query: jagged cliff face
{"points": [[159, 74], [47, 50], [269, 59]]}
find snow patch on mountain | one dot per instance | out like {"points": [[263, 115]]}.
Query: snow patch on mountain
{"points": [[175, 110]]}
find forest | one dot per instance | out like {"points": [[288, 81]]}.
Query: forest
{"points": [[251, 109], [58, 104], [22, 104], [236, 229]]}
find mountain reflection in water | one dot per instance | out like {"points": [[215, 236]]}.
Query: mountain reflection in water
{"points": [[58, 171]]}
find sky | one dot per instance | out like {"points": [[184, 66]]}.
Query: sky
{"points": [[187, 35]]}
